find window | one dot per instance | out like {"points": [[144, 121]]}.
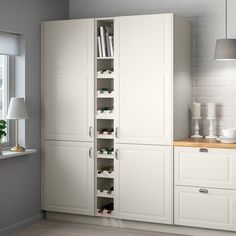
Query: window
{"points": [[9, 43], [3, 86], [6, 89]]}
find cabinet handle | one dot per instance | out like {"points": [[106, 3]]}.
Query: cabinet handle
{"points": [[116, 154], [90, 152], [90, 131], [203, 190], [203, 150], [117, 132]]}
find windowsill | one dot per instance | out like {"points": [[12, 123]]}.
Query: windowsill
{"points": [[9, 154]]}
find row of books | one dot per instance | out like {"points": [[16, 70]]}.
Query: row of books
{"points": [[105, 42]]}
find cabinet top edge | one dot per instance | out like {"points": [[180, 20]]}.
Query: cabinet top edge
{"points": [[66, 20], [112, 17], [104, 18], [171, 15], [205, 143]]}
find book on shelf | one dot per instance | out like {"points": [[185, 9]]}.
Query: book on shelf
{"points": [[99, 47], [108, 51], [111, 45], [106, 42], [103, 41]]}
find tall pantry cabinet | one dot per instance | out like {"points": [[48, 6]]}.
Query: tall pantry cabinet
{"points": [[135, 122], [68, 116], [153, 87]]}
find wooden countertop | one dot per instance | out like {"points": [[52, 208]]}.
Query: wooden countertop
{"points": [[207, 143]]}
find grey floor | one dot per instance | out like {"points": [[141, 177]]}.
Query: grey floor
{"points": [[58, 228]]}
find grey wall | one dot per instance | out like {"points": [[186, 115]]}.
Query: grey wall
{"points": [[212, 81], [20, 177]]}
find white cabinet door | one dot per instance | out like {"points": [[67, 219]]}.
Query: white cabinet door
{"points": [[68, 177], [143, 66], [208, 167], [143, 183], [202, 207], [67, 86]]}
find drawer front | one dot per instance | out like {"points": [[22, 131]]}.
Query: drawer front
{"points": [[211, 167], [208, 208]]}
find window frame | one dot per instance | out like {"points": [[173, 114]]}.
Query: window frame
{"points": [[9, 87]]}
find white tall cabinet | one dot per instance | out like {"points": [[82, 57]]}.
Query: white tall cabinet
{"points": [[151, 93], [153, 72], [68, 116]]}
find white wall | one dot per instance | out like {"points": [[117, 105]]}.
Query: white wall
{"points": [[212, 81]]}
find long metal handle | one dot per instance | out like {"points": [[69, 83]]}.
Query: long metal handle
{"points": [[90, 131], [117, 132], [116, 154], [203, 190], [203, 150], [90, 152]]}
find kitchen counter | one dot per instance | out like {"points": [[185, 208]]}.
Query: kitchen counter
{"points": [[206, 143]]}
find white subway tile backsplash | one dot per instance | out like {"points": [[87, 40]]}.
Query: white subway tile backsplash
{"points": [[203, 82], [199, 91], [220, 101], [200, 52], [208, 21], [219, 91]]}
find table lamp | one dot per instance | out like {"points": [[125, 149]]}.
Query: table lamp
{"points": [[17, 110]]}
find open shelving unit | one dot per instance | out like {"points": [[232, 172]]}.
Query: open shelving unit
{"points": [[104, 124]]}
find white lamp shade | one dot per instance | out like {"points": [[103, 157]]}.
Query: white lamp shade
{"points": [[17, 109]]}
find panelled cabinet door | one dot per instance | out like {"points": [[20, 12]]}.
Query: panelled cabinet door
{"points": [[205, 207], [143, 183], [143, 62], [68, 178], [67, 86], [208, 167]]}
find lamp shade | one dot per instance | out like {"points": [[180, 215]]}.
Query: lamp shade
{"points": [[225, 49], [17, 109]]}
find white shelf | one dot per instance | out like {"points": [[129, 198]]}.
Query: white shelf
{"points": [[105, 193], [105, 112], [105, 117], [9, 154], [105, 95], [105, 58], [105, 156], [105, 76], [106, 174], [105, 136]]}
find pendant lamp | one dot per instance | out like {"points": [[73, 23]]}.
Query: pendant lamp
{"points": [[225, 48]]}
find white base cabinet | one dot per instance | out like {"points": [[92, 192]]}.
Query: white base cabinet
{"points": [[211, 167], [143, 183], [68, 172], [205, 207], [205, 191]]}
